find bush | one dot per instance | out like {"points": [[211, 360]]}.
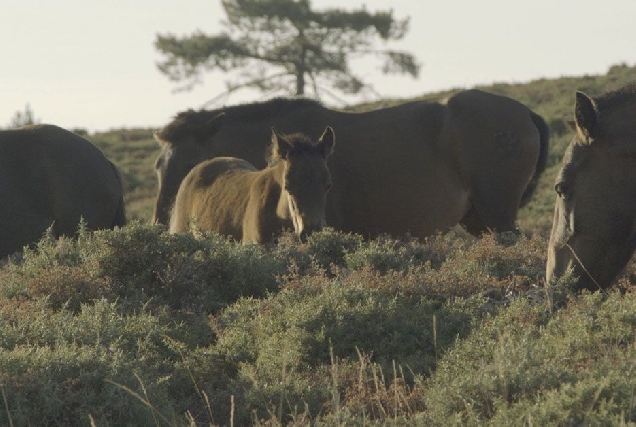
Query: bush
{"points": [[523, 364]]}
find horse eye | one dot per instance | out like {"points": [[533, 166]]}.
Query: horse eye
{"points": [[328, 186]]}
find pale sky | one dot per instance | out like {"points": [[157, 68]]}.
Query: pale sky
{"points": [[91, 64]]}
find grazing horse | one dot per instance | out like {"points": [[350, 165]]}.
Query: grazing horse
{"points": [[594, 227], [416, 168], [230, 196], [50, 177]]}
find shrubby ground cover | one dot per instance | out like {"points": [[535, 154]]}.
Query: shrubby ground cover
{"points": [[136, 326]]}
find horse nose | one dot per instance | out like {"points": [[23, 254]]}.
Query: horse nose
{"points": [[559, 262]]}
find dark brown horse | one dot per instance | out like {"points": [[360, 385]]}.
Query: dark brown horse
{"points": [[594, 228], [414, 168], [231, 197], [50, 177]]}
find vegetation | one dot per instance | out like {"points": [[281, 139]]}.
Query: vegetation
{"points": [[139, 327], [23, 118], [285, 45], [134, 152]]}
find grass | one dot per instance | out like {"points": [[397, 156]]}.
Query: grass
{"points": [[139, 327]]}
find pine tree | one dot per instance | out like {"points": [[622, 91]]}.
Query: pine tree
{"points": [[284, 45]]}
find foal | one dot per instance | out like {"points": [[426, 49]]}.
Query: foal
{"points": [[231, 197]]}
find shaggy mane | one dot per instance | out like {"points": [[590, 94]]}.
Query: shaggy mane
{"points": [[187, 123], [618, 98]]}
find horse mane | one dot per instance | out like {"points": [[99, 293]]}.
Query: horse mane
{"points": [[617, 98], [190, 122]]}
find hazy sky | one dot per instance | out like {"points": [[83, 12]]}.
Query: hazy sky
{"points": [[91, 64]]}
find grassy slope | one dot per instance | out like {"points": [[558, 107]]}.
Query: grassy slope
{"points": [[134, 152], [138, 327]]}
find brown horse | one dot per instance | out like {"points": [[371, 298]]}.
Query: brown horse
{"points": [[414, 168], [50, 177], [594, 228], [230, 196]]}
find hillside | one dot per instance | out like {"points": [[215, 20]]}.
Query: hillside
{"points": [[136, 326]]}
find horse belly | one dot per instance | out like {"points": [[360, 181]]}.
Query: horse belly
{"points": [[421, 200], [431, 209]]}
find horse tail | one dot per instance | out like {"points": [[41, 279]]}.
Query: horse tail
{"points": [[544, 141], [120, 214], [119, 219]]}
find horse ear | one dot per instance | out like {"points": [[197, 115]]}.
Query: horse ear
{"points": [[327, 142], [585, 117], [281, 144]]}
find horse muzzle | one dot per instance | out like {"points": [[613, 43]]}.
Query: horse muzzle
{"points": [[558, 263]]}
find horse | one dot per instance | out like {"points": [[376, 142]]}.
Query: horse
{"points": [[52, 179], [594, 226], [230, 196], [415, 168]]}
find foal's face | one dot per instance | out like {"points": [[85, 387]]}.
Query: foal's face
{"points": [[307, 181]]}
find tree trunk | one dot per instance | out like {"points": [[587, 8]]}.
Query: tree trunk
{"points": [[300, 82]]}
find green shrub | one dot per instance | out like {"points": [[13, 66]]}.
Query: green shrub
{"points": [[180, 270], [297, 331], [54, 365], [523, 365], [330, 247]]}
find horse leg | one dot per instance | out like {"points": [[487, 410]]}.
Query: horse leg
{"points": [[473, 223], [252, 226]]}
